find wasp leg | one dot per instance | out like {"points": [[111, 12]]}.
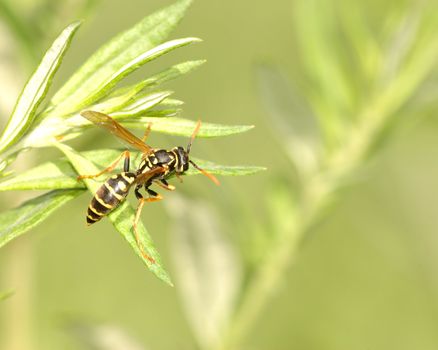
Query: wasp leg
{"points": [[163, 183], [125, 155], [179, 177], [146, 133], [141, 202], [152, 194]]}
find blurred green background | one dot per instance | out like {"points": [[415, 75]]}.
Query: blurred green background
{"points": [[366, 273]]}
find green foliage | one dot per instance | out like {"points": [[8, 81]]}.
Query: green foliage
{"points": [[347, 93], [15, 222], [94, 81], [35, 90], [94, 87]]}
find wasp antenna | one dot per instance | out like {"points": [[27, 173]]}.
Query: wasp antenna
{"points": [[203, 172], [195, 132]]}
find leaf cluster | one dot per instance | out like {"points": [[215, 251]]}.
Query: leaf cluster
{"points": [[36, 123]]}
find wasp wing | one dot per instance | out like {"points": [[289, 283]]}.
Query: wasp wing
{"points": [[147, 175], [106, 122]]}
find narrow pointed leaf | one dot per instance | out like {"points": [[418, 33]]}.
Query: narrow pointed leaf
{"points": [[141, 104], [99, 336], [173, 72], [122, 96], [60, 174], [163, 113], [99, 88], [122, 218], [125, 97], [185, 127], [171, 102], [291, 118], [17, 221], [122, 54], [36, 89], [224, 170]]}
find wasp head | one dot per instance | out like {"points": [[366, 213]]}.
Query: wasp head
{"points": [[183, 159]]}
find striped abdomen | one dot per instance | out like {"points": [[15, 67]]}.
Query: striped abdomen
{"points": [[109, 196]]}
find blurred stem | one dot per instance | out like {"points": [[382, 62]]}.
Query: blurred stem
{"points": [[317, 191], [17, 315], [17, 274], [278, 259]]}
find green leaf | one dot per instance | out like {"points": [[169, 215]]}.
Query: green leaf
{"points": [[17, 221], [36, 89], [173, 72], [224, 170], [122, 218], [125, 98], [51, 175], [185, 127], [291, 118], [141, 104], [322, 55], [122, 96], [60, 174], [163, 113], [119, 57], [171, 102]]}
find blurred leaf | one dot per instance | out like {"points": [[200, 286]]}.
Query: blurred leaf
{"points": [[119, 57], [36, 89], [283, 209], [365, 48], [278, 228], [6, 295], [122, 218], [291, 118], [322, 56], [208, 270], [398, 47], [103, 337], [60, 174], [185, 127], [15, 222]]}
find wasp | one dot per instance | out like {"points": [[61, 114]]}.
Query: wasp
{"points": [[156, 167]]}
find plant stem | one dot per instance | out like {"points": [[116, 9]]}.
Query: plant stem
{"points": [[17, 310], [270, 274], [317, 192]]}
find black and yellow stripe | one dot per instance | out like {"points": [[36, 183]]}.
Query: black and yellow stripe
{"points": [[109, 196]]}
